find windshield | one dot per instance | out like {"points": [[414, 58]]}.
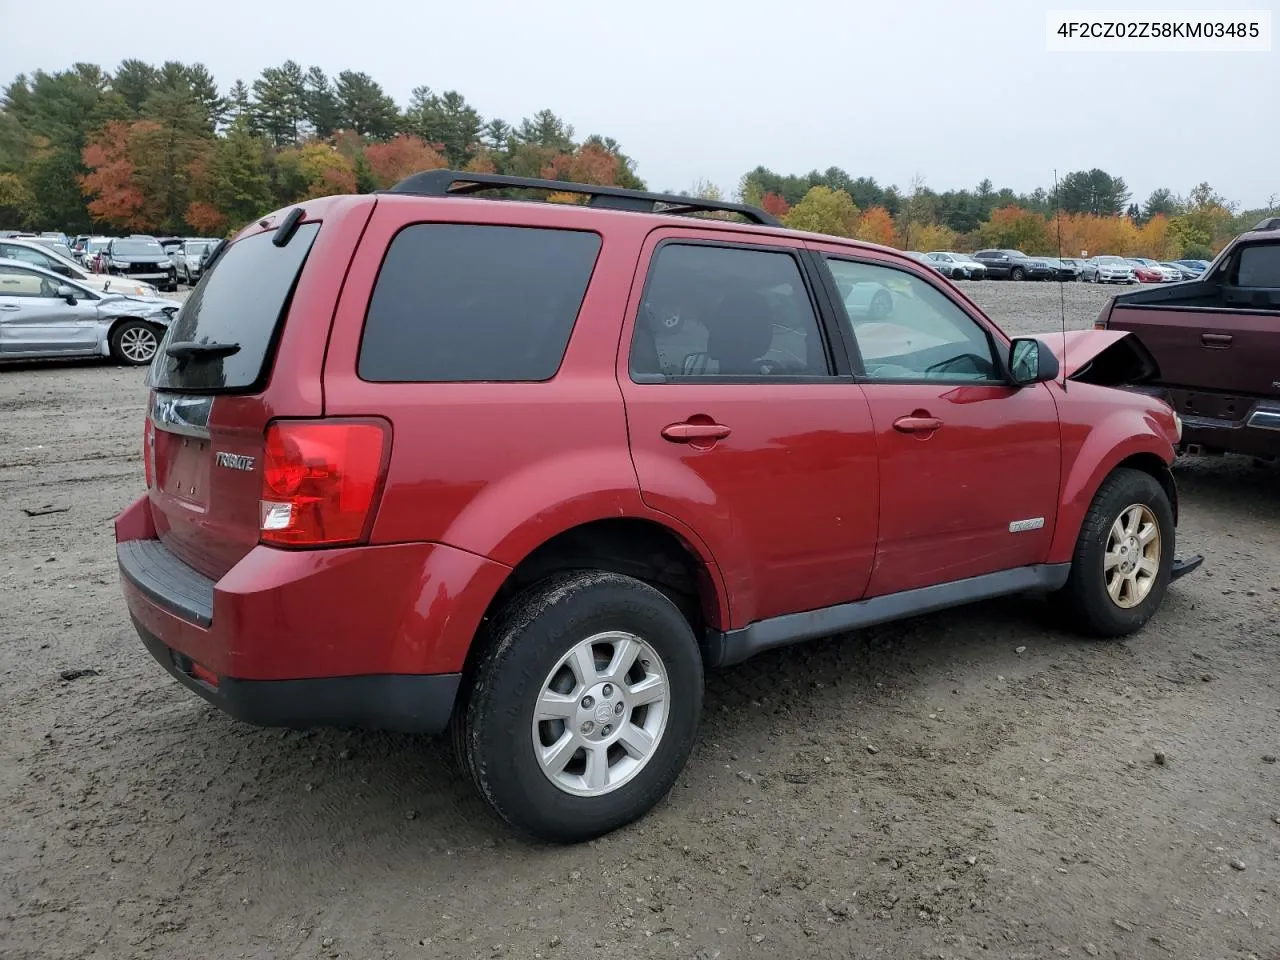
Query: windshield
{"points": [[1110, 260], [198, 247], [137, 248]]}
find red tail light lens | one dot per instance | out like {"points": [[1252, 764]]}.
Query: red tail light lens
{"points": [[149, 452], [321, 481]]}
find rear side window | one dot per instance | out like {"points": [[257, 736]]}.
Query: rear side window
{"points": [[240, 301], [461, 302], [714, 312], [1259, 266]]}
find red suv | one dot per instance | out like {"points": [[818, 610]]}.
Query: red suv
{"points": [[423, 460]]}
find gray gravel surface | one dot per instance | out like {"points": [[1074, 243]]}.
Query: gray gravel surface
{"points": [[977, 783]]}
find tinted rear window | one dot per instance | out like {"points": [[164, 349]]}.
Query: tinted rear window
{"points": [[241, 300], [457, 302], [1259, 266]]}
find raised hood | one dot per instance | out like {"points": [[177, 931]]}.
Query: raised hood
{"points": [[1104, 357]]}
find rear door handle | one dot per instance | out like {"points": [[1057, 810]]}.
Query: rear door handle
{"points": [[1216, 341], [917, 424], [690, 432], [9, 306]]}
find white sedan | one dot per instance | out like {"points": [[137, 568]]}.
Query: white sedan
{"points": [[39, 255]]}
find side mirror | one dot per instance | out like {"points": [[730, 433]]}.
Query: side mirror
{"points": [[1031, 361], [67, 293], [61, 268]]}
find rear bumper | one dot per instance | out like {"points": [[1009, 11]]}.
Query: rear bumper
{"points": [[1225, 423], [406, 704], [370, 636]]}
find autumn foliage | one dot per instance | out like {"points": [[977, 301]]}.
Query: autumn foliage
{"points": [[876, 226], [115, 196], [400, 157]]}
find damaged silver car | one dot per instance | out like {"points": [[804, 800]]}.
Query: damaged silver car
{"points": [[45, 315]]}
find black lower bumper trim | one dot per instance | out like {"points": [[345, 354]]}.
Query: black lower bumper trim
{"points": [[1184, 565], [403, 703]]}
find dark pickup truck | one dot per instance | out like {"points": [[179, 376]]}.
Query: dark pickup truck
{"points": [[1216, 340]]}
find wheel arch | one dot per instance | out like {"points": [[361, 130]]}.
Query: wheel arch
{"points": [[644, 548], [1140, 449]]}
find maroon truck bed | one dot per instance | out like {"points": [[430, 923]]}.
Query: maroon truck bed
{"points": [[1217, 343]]}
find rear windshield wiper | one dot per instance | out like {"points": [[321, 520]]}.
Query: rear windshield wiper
{"points": [[185, 350]]}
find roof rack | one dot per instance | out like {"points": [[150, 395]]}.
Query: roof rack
{"points": [[454, 183], [1270, 223]]}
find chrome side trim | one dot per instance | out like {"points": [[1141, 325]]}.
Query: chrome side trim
{"points": [[1265, 419]]}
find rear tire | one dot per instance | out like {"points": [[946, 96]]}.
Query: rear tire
{"points": [[1123, 557], [134, 343], [557, 649]]}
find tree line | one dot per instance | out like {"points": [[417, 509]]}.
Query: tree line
{"points": [[1087, 211], [162, 148]]}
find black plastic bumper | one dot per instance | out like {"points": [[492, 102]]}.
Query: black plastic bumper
{"points": [[404, 703]]}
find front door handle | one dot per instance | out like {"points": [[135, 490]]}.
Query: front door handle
{"points": [[917, 424], [1216, 341], [692, 432], [9, 306]]}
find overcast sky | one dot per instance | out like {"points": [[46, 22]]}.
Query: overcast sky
{"points": [[950, 91]]}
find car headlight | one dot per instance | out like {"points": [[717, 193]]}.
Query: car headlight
{"points": [[1177, 425]]}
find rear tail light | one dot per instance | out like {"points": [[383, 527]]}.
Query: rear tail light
{"points": [[149, 452], [321, 480]]}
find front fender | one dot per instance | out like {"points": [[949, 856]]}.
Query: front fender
{"points": [[1096, 452]]}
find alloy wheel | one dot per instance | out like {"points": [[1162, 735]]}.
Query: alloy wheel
{"points": [[600, 714], [1131, 563]]}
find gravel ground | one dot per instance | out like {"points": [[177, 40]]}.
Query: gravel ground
{"points": [[971, 784]]}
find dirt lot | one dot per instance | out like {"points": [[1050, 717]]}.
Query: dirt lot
{"points": [[971, 784]]}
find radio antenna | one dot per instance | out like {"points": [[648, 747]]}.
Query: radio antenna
{"points": [[1062, 287]]}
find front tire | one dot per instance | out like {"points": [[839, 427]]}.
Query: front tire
{"points": [[134, 343], [584, 707], [1123, 557]]}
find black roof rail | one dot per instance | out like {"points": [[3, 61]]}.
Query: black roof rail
{"points": [[455, 183], [1270, 223]]}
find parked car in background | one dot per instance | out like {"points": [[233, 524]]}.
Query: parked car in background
{"points": [[44, 315], [94, 247], [1061, 269], [921, 258], [958, 266], [1167, 274], [1183, 273], [1108, 269], [37, 254], [140, 258], [1013, 265], [304, 554], [1196, 267], [1216, 341], [1076, 263], [78, 246], [1145, 273], [189, 256]]}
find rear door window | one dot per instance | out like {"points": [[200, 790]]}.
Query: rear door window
{"points": [[1259, 266], [464, 303], [240, 301]]}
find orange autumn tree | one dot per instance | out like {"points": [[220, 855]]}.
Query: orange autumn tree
{"points": [[1157, 241], [589, 163], [114, 196], [400, 157], [1015, 228], [876, 226], [775, 204], [1111, 236]]}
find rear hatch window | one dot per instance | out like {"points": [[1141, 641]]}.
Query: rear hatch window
{"points": [[231, 320]]}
